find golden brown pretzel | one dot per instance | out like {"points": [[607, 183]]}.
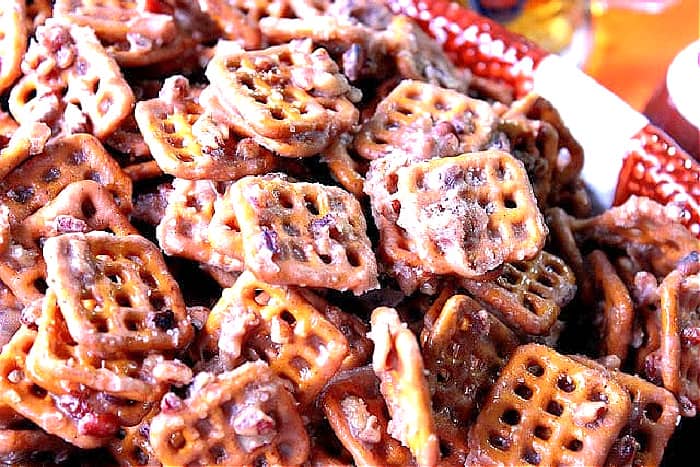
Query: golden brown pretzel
{"points": [[398, 364], [25, 445], [345, 167], [116, 293], [546, 409], [238, 417], [426, 120], [13, 41], [468, 214], [356, 411], [278, 325], [70, 83], [305, 234]]}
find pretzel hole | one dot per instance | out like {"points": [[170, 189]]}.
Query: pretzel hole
{"points": [[131, 324], [642, 438], [123, 300], [566, 384], [554, 408], [523, 391], [277, 113], [285, 199], [404, 110], [653, 411], [574, 445], [325, 259], [40, 285], [100, 324], [531, 456], [247, 82], [445, 449], [157, 301], [542, 432], [177, 440], [392, 182], [534, 368], [499, 442], [87, 208], [510, 203], [288, 318], [443, 375], [311, 204], [500, 172], [302, 366], [167, 127], [353, 257], [509, 278], [218, 453], [510, 417], [175, 141], [261, 98], [37, 391], [148, 280]]}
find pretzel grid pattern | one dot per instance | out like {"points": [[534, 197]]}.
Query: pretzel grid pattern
{"points": [[237, 416], [116, 293], [546, 409], [489, 191], [305, 234], [415, 106]]}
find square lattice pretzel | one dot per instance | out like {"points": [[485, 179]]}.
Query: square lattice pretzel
{"points": [[13, 41], [75, 87], [468, 214], [420, 109], [305, 234], [547, 409], [241, 417], [116, 293], [279, 325]]}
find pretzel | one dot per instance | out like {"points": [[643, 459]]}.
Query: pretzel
{"points": [[419, 57], [565, 244], [527, 295], [463, 354], [236, 417], [189, 142], [59, 365], [13, 41], [489, 193], [37, 12], [64, 160], [32, 401], [26, 141], [398, 364], [76, 86], [25, 446], [344, 166], [279, 325], [356, 411], [116, 293], [132, 447], [397, 251], [286, 92], [652, 420], [8, 126], [238, 19], [184, 228], [10, 317], [305, 234], [615, 306], [546, 409], [427, 120], [649, 232]]}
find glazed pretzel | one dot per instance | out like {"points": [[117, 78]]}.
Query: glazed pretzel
{"points": [[24, 445], [615, 306], [132, 447], [398, 364], [32, 401], [466, 348], [652, 421], [64, 160], [279, 325], [189, 142], [240, 417], [356, 411], [61, 366], [8, 126], [565, 244], [345, 167], [28, 140], [527, 295], [116, 293], [74, 87], [238, 19], [13, 41], [491, 196], [546, 409], [426, 120], [184, 228], [305, 234], [285, 92]]}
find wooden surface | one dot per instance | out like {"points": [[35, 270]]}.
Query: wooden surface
{"points": [[631, 50]]}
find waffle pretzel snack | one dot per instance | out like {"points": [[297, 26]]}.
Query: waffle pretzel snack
{"points": [[76, 86], [278, 325], [13, 41], [238, 416], [426, 120], [546, 408], [305, 234], [527, 295], [356, 411], [61, 366], [191, 142], [489, 193], [116, 293], [398, 364]]}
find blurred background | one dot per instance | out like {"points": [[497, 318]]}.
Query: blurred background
{"points": [[627, 46]]}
